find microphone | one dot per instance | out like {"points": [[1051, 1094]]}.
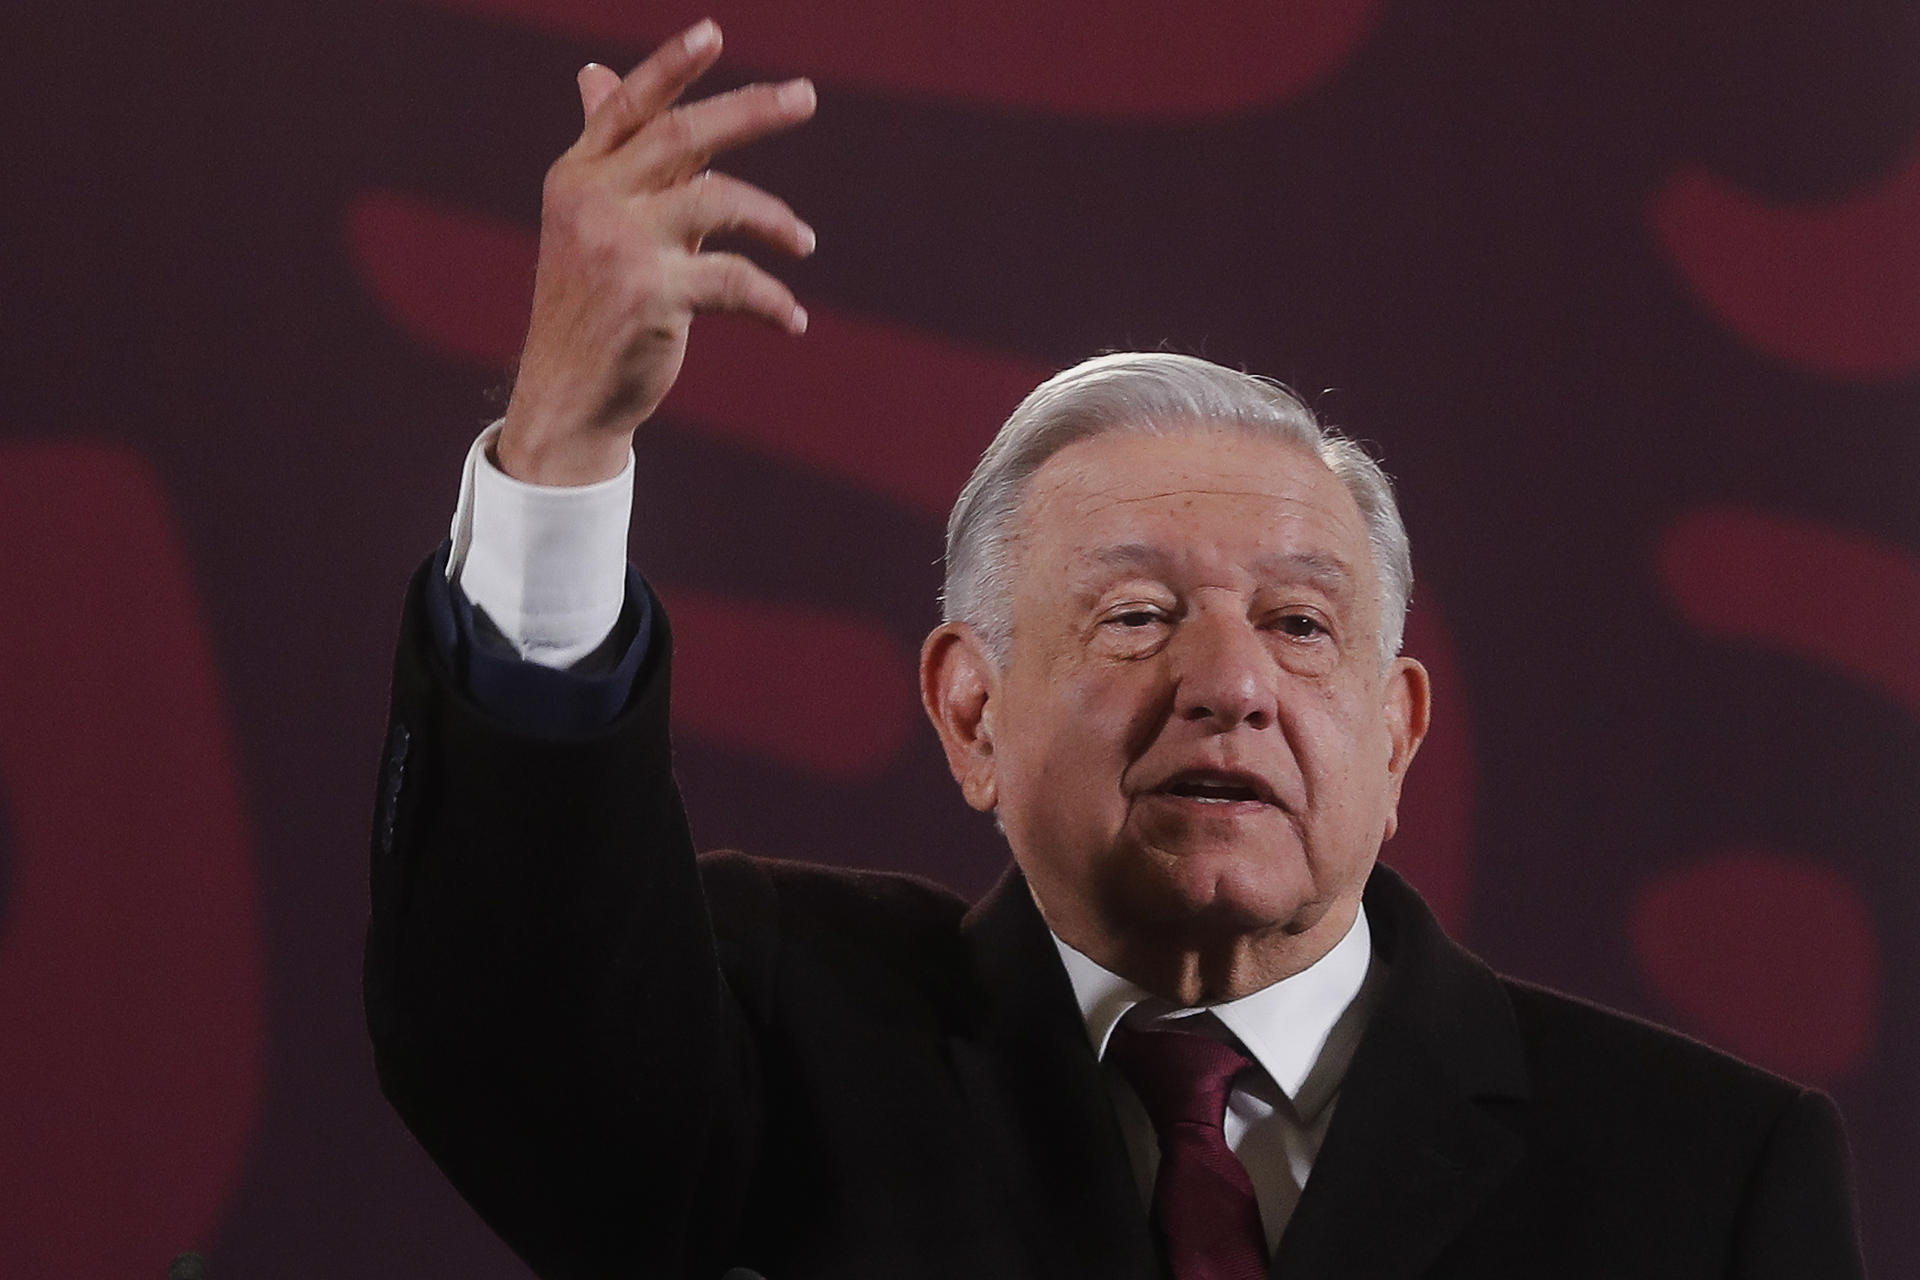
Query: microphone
{"points": [[188, 1266]]}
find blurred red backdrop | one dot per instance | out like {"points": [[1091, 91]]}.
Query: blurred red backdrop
{"points": [[1628, 299]]}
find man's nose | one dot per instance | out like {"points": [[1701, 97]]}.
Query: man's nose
{"points": [[1225, 674]]}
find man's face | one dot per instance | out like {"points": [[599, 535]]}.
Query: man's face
{"points": [[1194, 734]]}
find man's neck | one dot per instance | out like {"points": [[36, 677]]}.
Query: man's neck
{"points": [[1203, 969]]}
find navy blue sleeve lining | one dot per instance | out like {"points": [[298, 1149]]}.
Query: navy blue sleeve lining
{"points": [[533, 699]]}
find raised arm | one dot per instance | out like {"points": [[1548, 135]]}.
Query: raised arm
{"points": [[543, 989]]}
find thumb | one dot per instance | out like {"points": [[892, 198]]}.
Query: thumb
{"points": [[595, 82]]}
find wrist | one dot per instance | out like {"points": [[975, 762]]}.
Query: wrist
{"points": [[569, 459]]}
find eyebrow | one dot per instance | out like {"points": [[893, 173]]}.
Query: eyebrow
{"points": [[1317, 568]]}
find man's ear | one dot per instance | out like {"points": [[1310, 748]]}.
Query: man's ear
{"points": [[957, 684], [1408, 705]]}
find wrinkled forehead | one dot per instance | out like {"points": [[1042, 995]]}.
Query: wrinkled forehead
{"points": [[1323, 569], [1126, 501]]}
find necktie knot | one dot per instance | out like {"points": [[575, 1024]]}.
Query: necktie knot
{"points": [[1180, 1076]]}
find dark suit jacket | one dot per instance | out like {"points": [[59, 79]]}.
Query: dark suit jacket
{"points": [[635, 1064]]}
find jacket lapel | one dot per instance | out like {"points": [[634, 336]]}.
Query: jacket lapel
{"points": [[1047, 1121], [1422, 1130]]}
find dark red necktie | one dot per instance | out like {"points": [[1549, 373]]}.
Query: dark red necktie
{"points": [[1203, 1200]]}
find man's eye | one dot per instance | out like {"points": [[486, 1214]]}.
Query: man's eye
{"points": [[1302, 626], [1134, 619]]}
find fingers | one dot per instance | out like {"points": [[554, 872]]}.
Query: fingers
{"points": [[680, 143], [733, 119], [595, 82], [729, 282], [716, 204], [653, 86]]}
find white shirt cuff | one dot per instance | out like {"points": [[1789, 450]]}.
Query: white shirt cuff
{"points": [[548, 564]]}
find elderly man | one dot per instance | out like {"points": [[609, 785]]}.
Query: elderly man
{"points": [[1195, 1031]]}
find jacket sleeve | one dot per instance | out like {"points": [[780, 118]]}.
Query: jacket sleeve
{"points": [[547, 1011], [527, 695], [1798, 1218]]}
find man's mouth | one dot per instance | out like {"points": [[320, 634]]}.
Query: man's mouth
{"points": [[1218, 786]]}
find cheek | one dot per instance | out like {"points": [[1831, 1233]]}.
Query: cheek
{"points": [[1343, 752], [1075, 737]]}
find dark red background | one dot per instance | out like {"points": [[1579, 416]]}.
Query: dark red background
{"points": [[1628, 297]]}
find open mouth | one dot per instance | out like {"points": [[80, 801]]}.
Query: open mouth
{"points": [[1214, 786]]}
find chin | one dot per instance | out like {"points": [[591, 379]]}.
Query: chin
{"points": [[1225, 892]]}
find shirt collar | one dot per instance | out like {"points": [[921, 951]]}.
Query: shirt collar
{"points": [[1284, 1026]]}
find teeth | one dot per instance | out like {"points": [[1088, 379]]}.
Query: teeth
{"points": [[1217, 792]]}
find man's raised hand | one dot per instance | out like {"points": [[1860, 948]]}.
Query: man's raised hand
{"points": [[622, 271]]}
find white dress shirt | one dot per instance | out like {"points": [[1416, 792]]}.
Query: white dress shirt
{"points": [[548, 567], [546, 563], [1302, 1031]]}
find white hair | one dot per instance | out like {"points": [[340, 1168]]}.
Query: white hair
{"points": [[1147, 393]]}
